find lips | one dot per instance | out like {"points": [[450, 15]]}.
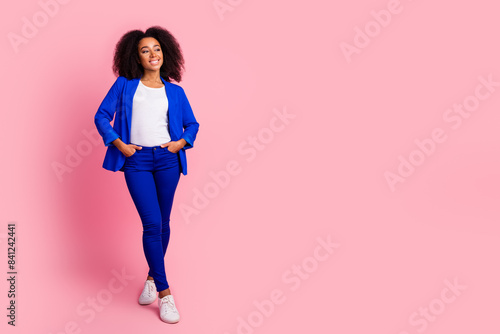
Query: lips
{"points": [[154, 62]]}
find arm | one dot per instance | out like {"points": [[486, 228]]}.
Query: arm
{"points": [[190, 124], [106, 111], [126, 149]]}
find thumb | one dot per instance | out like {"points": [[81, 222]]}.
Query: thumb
{"points": [[137, 147], [165, 145]]}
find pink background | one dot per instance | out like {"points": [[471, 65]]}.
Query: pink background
{"points": [[320, 176]]}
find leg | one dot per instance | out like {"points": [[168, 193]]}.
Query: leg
{"points": [[141, 185], [166, 178], [166, 181]]}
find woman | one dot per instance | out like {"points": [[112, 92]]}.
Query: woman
{"points": [[153, 126]]}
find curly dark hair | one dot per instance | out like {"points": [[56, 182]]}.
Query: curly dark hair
{"points": [[125, 61]]}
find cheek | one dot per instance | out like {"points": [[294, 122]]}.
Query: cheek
{"points": [[143, 60]]}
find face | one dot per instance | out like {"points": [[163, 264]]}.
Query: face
{"points": [[150, 54]]}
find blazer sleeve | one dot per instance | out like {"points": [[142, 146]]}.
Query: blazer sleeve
{"points": [[189, 122], [106, 111]]}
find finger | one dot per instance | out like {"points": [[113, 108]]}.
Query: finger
{"points": [[137, 147]]}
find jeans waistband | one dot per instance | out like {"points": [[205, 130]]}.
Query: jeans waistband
{"points": [[151, 148]]}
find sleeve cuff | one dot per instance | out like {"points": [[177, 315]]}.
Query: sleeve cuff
{"points": [[110, 138]]}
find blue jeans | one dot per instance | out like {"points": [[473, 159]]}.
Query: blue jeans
{"points": [[152, 175]]}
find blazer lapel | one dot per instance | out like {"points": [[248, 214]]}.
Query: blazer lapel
{"points": [[130, 90], [168, 89]]}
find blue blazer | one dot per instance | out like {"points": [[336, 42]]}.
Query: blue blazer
{"points": [[181, 120]]}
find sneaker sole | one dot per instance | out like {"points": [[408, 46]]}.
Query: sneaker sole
{"points": [[147, 303], [170, 322]]}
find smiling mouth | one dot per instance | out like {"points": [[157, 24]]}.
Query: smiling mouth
{"points": [[154, 62]]}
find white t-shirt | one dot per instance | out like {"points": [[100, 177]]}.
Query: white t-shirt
{"points": [[149, 116]]}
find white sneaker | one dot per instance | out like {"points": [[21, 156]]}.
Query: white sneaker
{"points": [[148, 294], [168, 311]]}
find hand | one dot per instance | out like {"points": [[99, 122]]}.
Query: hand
{"points": [[129, 149], [174, 146]]}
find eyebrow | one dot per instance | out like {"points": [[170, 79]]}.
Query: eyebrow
{"points": [[145, 46]]}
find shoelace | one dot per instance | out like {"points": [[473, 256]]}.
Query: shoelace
{"points": [[170, 304], [151, 289]]}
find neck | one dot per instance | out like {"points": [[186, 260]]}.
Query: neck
{"points": [[151, 76]]}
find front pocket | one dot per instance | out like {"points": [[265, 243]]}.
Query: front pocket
{"points": [[132, 155]]}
